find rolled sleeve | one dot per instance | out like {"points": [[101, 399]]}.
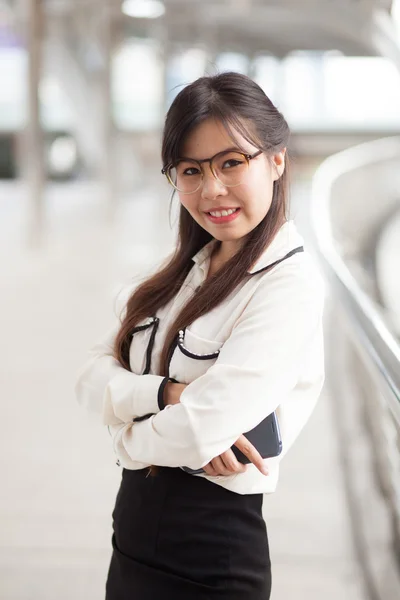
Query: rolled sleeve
{"points": [[128, 395], [104, 387]]}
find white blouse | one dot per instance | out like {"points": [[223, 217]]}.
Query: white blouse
{"points": [[260, 350]]}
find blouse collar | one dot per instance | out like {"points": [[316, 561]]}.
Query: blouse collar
{"points": [[287, 239]]}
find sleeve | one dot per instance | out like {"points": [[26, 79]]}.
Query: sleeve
{"points": [[257, 367], [106, 388]]}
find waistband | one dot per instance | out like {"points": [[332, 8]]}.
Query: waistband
{"points": [[183, 484]]}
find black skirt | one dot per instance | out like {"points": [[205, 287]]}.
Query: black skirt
{"points": [[181, 537]]}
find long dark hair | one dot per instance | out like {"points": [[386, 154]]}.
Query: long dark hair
{"points": [[234, 100]]}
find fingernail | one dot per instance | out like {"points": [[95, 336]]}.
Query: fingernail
{"points": [[265, 471]]}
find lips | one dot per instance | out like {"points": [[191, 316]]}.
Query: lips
{"points": [[221, 208], [225, 218]]}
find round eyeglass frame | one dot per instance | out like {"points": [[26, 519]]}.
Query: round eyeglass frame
{"points": [[166, 170]]}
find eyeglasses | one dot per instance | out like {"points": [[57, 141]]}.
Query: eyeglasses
{"points": [[229, 167]]}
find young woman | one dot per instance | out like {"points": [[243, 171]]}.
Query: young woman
{"points": [[224, 334]]}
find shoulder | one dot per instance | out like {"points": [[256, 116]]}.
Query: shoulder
{"points": [[293, 281]]}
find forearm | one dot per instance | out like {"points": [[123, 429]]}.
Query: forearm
{"points": [[105, 388]]}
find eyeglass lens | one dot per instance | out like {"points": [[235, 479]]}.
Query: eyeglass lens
{"points": [[229, 168]]}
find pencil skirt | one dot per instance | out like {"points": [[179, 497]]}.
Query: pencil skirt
{"points": [[181, 537]]}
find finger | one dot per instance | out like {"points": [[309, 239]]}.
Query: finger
{"points": [[252, 454], [209, 469], [231, 462], [219, 466]]}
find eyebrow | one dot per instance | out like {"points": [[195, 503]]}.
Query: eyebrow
{"points": [[200, 160]]}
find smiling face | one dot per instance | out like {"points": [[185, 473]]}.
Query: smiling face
{"points": [[252, 197]]}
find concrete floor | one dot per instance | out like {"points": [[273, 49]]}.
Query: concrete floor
{"points": [[60, 472]]}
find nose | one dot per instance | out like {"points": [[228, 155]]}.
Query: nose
{"points": [[211, 188]]}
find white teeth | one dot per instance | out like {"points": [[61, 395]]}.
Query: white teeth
{"points": [[223, 213]]}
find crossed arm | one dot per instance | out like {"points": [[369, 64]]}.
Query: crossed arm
{"points": [[257, 367]]}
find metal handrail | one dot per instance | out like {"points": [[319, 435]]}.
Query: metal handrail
{"points": [[368, 325]]}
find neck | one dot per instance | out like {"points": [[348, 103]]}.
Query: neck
{"points": [[225, 250]]}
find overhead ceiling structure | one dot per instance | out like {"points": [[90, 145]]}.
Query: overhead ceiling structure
{"points": [[355, 27], [280, 26]]}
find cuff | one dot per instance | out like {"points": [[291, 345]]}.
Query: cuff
{"points": [[160, 395], [128, 395]]}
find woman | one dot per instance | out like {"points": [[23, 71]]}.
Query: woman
{"points": [[227, 332]]}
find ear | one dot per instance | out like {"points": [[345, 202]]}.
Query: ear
{"points": [[278, 164]]}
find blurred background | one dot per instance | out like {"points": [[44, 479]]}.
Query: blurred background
{"points": [[84, 210]]}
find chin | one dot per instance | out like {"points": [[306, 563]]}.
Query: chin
{"points": [[230, 239]]}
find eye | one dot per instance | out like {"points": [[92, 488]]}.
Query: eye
{"points": [[191, 171], [231, 162]]}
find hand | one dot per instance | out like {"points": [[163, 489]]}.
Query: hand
{"points": [[172, 392], [224, 464], [227, 463]]}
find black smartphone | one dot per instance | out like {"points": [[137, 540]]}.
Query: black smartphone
{"points": [[265, 437]]}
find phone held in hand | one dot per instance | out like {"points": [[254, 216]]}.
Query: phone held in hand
{"points": [[265, 437]]}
